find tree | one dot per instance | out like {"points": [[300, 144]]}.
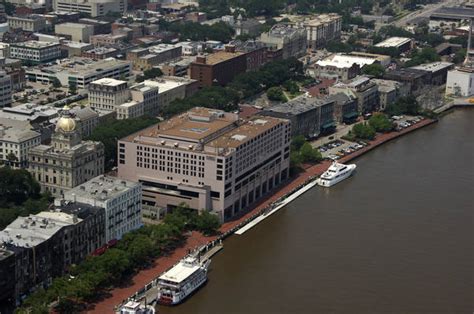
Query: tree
{"points": [[424, 55], [405, 105], [55, 82], [380, 122], [110, 131], [338, 46], [291, 87], [207, 223], [459, 56], [152, 73], [377, 70], [310, 154], [363, 131], [72, 88], [297, 142], [276, 94]]}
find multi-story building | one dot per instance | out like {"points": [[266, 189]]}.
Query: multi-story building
{"points": [[146, 58], [75, 31], [303, 112], [208, 159], [35, 51], [362, 88], [291, 40], [438, 71], [92, 7], [390, 91], [344, 66], [255, 53], [345, 107], [121, 200], [319, 28], [402, 44], [43, 246], [87, 120], [80, 71], [129, 110], [99, 53], [14, 69], [108, 93], [218, 68], [107, 39], [75, 49], [16, 139], [100, 27], [147, 95], [5, 89], [68, 161], [459, 82], [159, 93], [29, 23]]}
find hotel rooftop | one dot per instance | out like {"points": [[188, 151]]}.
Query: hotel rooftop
{"points": [[204, 129]]}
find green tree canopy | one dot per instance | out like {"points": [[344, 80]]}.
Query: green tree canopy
{"points": [[363, 131], [276, 94], [380, 122], [377, 70]]}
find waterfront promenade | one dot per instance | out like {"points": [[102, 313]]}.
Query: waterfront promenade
{"points": [[195, 240]]}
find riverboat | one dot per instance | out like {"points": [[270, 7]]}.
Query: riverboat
{"points": [[335, 174], [181, 280]]}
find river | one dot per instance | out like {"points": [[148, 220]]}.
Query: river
{"points": [[397, 237]]}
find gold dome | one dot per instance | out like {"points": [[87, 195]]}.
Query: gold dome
{"points": [[67, 124]]}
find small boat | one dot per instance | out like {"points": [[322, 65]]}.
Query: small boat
{"points": [[181, 280], [133, 307], [335, 174]]}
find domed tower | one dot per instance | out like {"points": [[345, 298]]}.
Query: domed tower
{"points": [[67, 135]]}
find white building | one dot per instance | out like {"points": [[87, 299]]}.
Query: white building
{"points": [[16, 138], [81, 71], [319, 28], [35, 51], [92, 7], [460, 82], [121, 199], [401, 43], [129, 110], [108, 93], [30, 23], [76, 31]]}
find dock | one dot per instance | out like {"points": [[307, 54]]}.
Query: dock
{"points": [[278, 206]]}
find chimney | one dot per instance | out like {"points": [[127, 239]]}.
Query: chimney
{"points": [[201, 59]]}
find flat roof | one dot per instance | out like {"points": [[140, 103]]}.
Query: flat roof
{"points": [[393, 42], [221, 56], [100, 188], [340, 60], [17, 134], [79, 66], [180, 272], [166, 83], [35, 44], [433, 66], [35, 229], [296, 106], [108, 82], [74, 25]]}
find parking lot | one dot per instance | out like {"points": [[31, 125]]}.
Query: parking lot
{"points": [[339, 148]]}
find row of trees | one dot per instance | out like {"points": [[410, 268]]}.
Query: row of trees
{"points": [[244, 85], [200, 32], [379, 122], [112, 130], [405, 105], [20, 195], [136, 250]]}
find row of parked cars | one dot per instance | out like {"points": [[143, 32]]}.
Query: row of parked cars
{"points": [[406, 123], [343, 151]]}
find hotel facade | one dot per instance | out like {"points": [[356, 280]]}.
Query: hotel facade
{"points": [[209, 159]]}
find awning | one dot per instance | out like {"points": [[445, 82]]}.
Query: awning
{"points": [[351, 115], [328, 125]]}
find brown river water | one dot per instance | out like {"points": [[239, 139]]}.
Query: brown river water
{"points": [[397, 237]]}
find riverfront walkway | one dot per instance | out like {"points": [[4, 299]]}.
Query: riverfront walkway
{"points": [[118, 295]]}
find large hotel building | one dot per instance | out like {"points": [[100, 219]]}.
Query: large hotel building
{"points": [[208, 159]]}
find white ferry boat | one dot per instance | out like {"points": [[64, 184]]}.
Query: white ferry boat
{"points": [[335, 174], [133, 307], [181, 280]]}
